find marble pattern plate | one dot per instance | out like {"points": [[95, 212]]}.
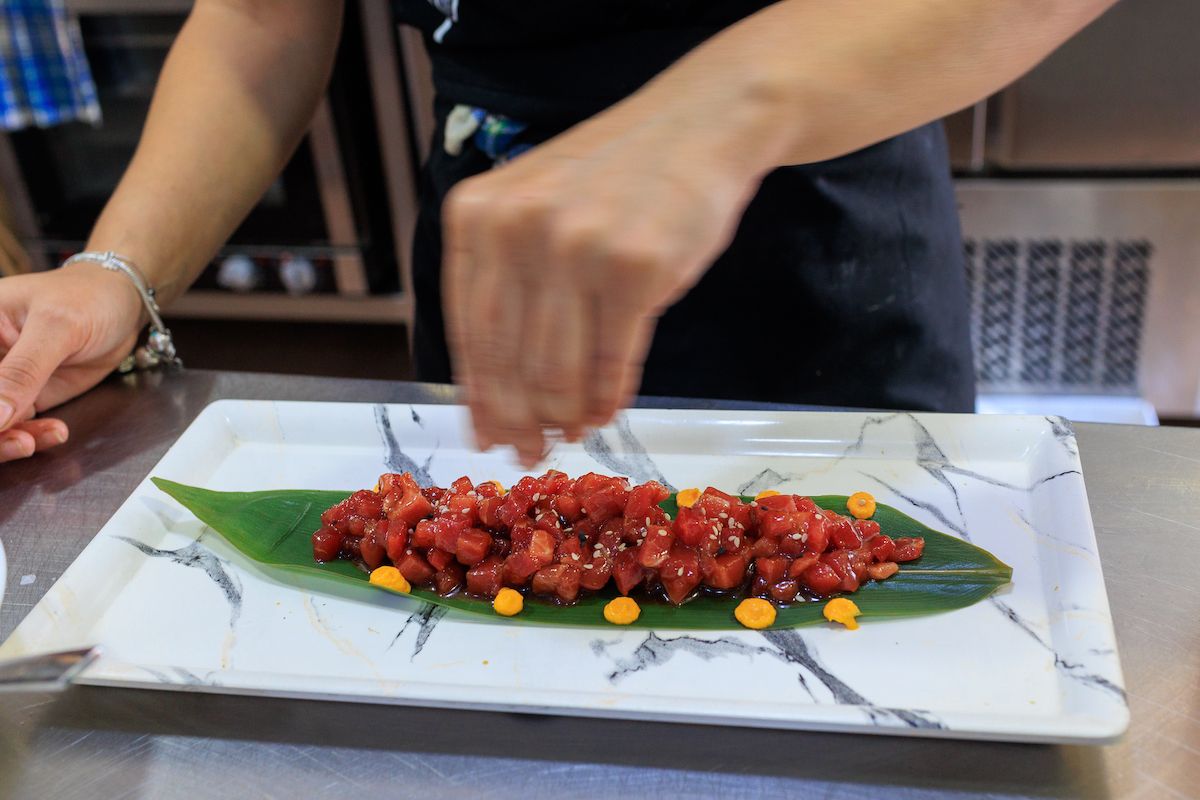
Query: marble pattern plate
{"points": [[174, 607]]}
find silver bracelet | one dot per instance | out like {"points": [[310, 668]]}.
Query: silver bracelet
{"points": [[159, 349]]}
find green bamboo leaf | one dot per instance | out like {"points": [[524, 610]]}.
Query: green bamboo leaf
{"points": [[274, 529]]}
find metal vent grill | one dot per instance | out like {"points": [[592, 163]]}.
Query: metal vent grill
{"points": [[1051, 315]]}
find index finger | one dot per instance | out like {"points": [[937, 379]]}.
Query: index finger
{"points": [[38, 351], [618, 354]]}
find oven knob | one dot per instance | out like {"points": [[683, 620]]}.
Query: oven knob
{"points": [[298, 274], [239, 273]]}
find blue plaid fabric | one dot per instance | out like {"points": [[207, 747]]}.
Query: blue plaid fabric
{"points": [[44, 76]]}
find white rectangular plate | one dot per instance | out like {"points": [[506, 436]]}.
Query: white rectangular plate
{"points": [[175, 607]]}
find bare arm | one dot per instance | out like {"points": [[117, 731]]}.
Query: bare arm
{"points": [[813, 80], [234, 98], [559, 263]]}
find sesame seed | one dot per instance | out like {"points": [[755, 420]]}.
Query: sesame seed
{"points": [[723, 515], [647, 522], [819, 516], [796, 536], [588, 566], [575, 556], [679, 572], [662, 532], [736, 541]]}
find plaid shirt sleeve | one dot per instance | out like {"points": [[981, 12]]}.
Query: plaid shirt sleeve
{"points": [[44, 75]]}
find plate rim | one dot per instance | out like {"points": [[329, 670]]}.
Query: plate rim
{"points": [[1118, 721]]}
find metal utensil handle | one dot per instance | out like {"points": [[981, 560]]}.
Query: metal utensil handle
{"points": [[45, 672]]}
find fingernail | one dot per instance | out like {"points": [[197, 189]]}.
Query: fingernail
{"points": [[12, 449], [52, 438], [6, 413]]}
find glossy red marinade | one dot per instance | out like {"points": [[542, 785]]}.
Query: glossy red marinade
{"points": [[561, 537]]}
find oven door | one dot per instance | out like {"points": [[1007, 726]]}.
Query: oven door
{"points": [[71, 170], [327, 208]]}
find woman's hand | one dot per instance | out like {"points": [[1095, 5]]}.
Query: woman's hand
{"points": [[559, 263], [194, 177], [61, 332]]}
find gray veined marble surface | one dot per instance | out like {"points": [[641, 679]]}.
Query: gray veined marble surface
{"points": [[1036, 662]]}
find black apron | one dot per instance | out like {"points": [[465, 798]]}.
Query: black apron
{"points": [[844, 284]]}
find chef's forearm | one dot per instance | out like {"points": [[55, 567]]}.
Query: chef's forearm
{"points": [[235, 96], [806, 80]]}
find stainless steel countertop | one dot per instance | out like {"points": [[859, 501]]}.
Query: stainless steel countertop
{"points": [[1144, 487]]}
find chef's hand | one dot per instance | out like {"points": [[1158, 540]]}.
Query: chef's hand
{"points": [[61, 332], [559, 263]]}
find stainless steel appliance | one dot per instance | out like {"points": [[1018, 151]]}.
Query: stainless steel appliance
{"points": [[1079, 186]]}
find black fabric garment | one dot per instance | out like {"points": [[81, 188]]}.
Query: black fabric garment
{"points": [[560, 61], [844, 284]]}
